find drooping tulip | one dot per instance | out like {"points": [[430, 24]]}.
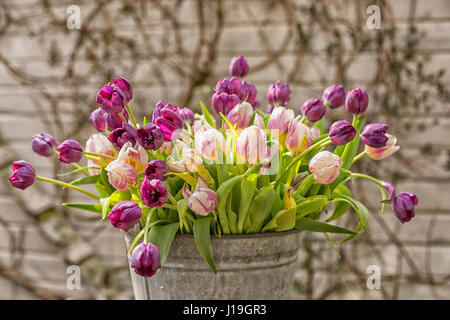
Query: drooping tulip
{"points": [[156, 169], [150, 136], [240, 115], [374, 135], [325, 167], [403, 206], [43, 144], [251, 145], [114, 96], [136, 156], [333, 96], [278, 93], [145, 259], [383, 152], [122, 135], [342, 132], [313, 110], [202, 201], [70, 151], [98, 120], [24, 175], [299, 137], [154, 193], [98, 143], [125, 214], [356, 101], [210, 144], [238, 67], [280, 119], [121, 175]]}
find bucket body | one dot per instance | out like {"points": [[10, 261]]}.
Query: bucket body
{"points": [[257, 266]]}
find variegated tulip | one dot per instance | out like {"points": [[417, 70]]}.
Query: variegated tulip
{"points": [[240, 115], [258, 121], [121, 175], [280, 119], [325, 167], [383, 152], [210, 143], [98, 143], [191, 159], [135, 156], [202, 201], [251, 145], [299, 137]]}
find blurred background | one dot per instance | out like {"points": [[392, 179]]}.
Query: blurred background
{"points": [[175, 51]]}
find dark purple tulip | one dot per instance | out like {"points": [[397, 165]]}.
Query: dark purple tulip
{"points": [[98, 119], [313, 110], [238, 67], [114, 121], [70, 151], [356, 101], [187, 115], [334, 96], [125, 214], [145, 259], [374, 135], [150, 136], [403, 206], [157, 111], [223, 102], [114, 96], [169, 121], [156, 169], [391, 190], [278, 93], [248, 93], [342, 132], [23, 175], [122, 135], [230, 86], [154, 193], [43, 144]]}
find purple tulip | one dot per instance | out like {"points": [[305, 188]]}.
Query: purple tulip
{"points": [[43, 144], [278, 93], [248, 93], [154, 193], [223, 102], [98, 119], [70, 151], [23, 175], [403, 206], [156, 169], [145, 259], [122, 135], [334, 96], [114, 96], [238, 67], [169, 121], [150, 136], [374, 135], [391, 190], [342, 132], [356, 101], [187, 115], [157, 110], [313, 110], [230, 86], [125, 214], [114, 121]]}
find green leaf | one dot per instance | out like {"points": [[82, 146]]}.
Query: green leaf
{"points": [[360, 209], [202, 237], [142, 232], [308, 224], [222, 193], [340, 207], [76, 170], [86, 180], [105, 182], [208, 117], [248, 187], [260, 208], [181, 208], [283, 221], [162, 236], [311, 204], [105, 202], [86, 207]]}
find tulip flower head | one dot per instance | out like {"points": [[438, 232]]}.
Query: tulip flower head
{"points": [[389, 187], [356, 101], [251, 145], [70, 151], [299, 137], [187, 115], [240, 115], [325, 167], [383, 152], [258, 121], [156, 169], [280, 119], [98, 143], [98, 120], [342, 132], [43, 144], [150, 136], [313, 110], [210, 144], [278, 94], [154, 193], [374, 135], [334, 96], [114, 120], [248, 94], [125, 214], [121, 175], [122, 135], [169, 121], [223, 102], [23, 175], [136, 156], [202, 201], [238, 67], [114, 96], [145, 259], [403, 206]]}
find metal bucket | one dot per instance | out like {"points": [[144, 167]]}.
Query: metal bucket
{"points": [[257, 266]]}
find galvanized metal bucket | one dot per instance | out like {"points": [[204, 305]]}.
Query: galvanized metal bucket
{"points": [[257, 266]]}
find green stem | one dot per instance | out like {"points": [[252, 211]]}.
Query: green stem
{"points": [[147, 225], [173, 200], [131, 114], [99, 155], [359, 156], [76, 165], [67, 185], [364, 176]]}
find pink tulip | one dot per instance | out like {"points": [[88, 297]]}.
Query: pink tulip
{"points": [[210, 143], [121, 175], [135, 156], [98, 143], [280, 119], [240, 115], [299, 137], [202, 201], [251, 145], [383, 152], [325, 167], [258, 121]]}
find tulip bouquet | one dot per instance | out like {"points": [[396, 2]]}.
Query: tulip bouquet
{"points": [[240, 171]]}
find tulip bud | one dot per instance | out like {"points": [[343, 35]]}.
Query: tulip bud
{"points": [[356, 101], [280, 119], [342, 132], [202, 201], [169, 121], [23, 175], [248, 93], [114, 121], [98, 143], [121, 175], [391, 190], [98, 120], [374, 135], [210, 144], [145, 259], [313, 110], [334, 96], [70, 151], [154, 193], [403, 206], [251, 145], [230, 86], [383, 152], [43, 144], [278, 93], [135, 156], [240, 115], [187, 115], [299, 137], [325, 167], [258, 121], [156, 169], [223, 102], [114, 96], [238, 67], [125, 214], [150, 136], [122, 135]]}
